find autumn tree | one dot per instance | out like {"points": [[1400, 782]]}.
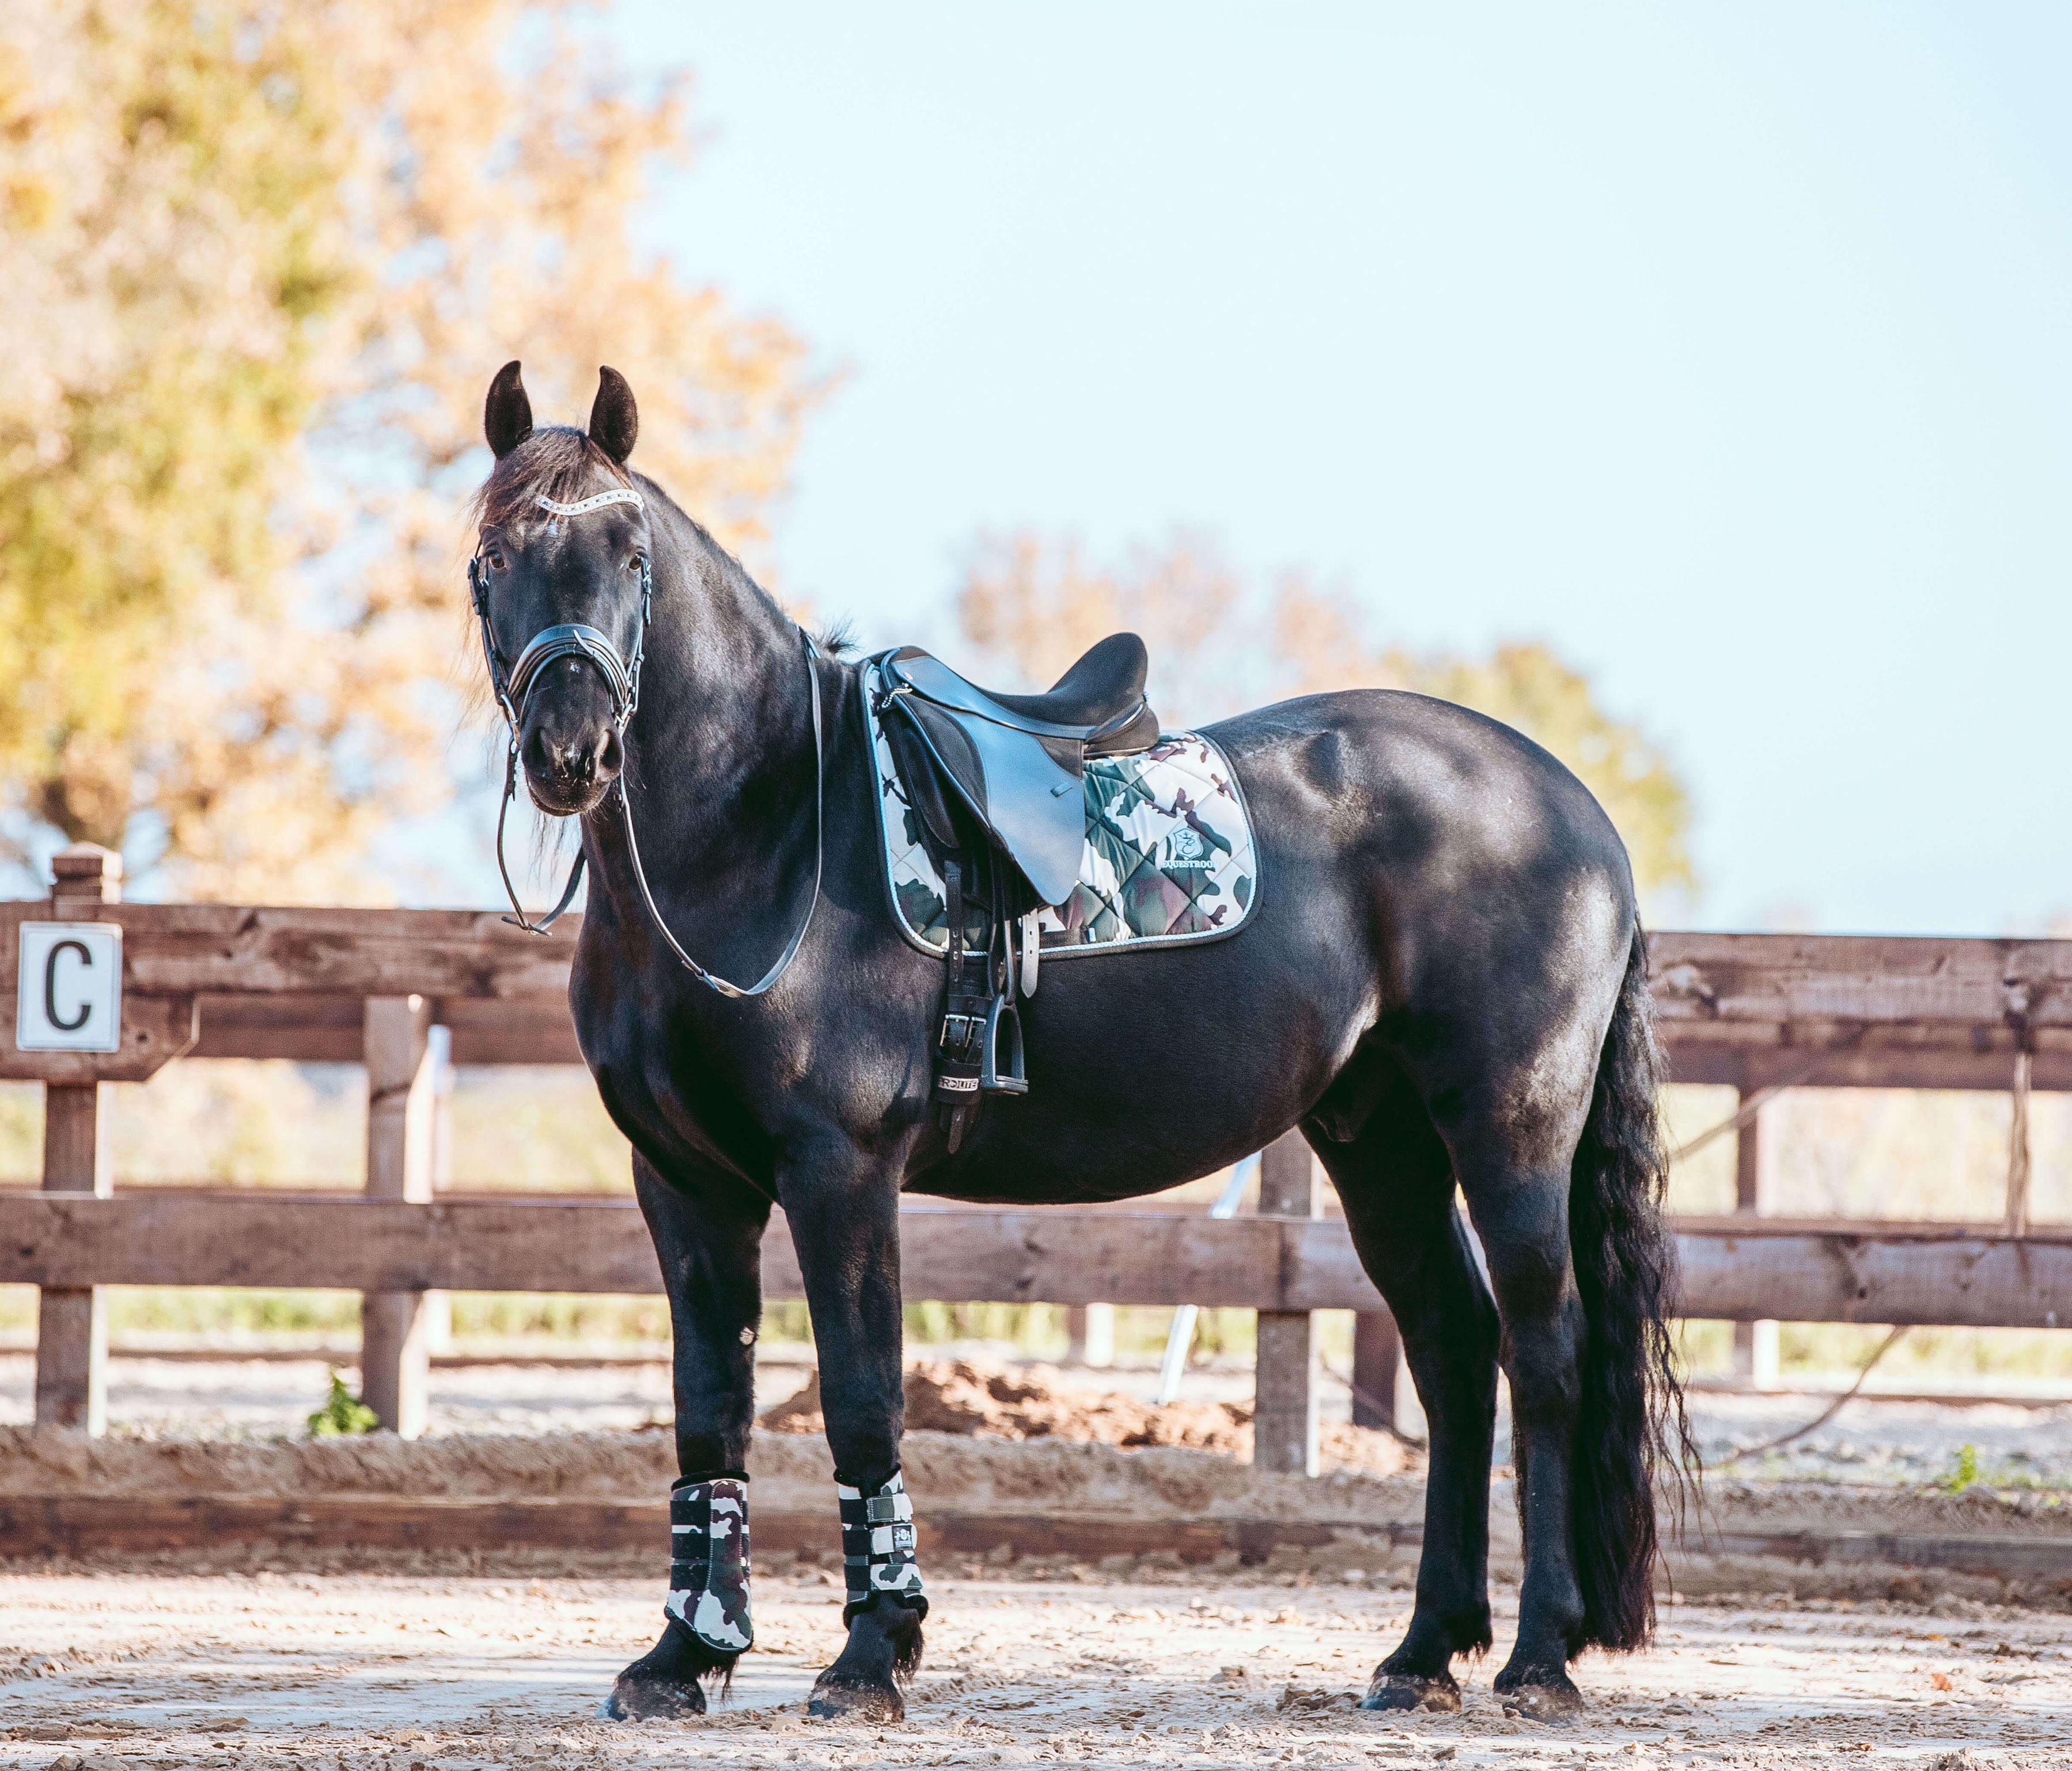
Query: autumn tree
{"points": [[1028, 606], [260, 262]]}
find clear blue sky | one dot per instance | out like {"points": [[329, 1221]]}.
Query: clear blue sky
{"points": [[1729, 348]]}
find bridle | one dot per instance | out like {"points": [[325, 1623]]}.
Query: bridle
{"points": [[622, 680]]}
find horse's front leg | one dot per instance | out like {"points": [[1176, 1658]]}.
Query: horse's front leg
{"points": [[844, 1208], [708, 1230]]}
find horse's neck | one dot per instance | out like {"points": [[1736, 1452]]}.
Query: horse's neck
{"points": [[720, 756]]}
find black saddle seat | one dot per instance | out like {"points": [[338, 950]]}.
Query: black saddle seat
{"points": [[1106, 683], [1099, 702]]}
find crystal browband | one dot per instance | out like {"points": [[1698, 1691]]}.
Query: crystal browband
{"points": [[619, 495]]}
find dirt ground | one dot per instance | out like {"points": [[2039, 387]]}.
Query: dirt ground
{"points": [[334, 1659], [452, 1673]]}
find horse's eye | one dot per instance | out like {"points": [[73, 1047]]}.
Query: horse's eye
{"points": [[636, 562], [496, 559]]}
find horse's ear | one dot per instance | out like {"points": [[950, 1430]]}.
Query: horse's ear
{"points": [[614, 420], [507, 414]]}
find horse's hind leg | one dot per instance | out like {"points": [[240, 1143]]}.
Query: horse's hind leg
{"points": [[708, 1233], [1514, 1172], [1396, 1180]]}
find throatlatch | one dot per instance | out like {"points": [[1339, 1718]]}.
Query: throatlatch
{"points": [[878, 1547], [709, 1562]]}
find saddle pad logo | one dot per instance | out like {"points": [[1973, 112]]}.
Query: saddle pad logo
{"points": [[1169, 853]]}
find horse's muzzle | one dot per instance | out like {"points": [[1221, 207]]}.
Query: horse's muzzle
{"points": [[570, 745]]}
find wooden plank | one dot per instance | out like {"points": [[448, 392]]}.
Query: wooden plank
{"points": [[310, 1029], [1730, 978], [43, 1524], [1745, 1010], [1284, 1422], [531, 1030], [1719, 980], [1983, 1281], [394, 1376], [34, 1526], [2000, 1558], [164, 1236], [1911, 1057], [1377, 1359], [155, 1031], [224, 950], [327, 1029], [71, 1322], [1933, 1274], [72, 1358], [1755, 1193]]}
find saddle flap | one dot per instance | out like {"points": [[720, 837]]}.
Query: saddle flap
{"points": [[1027, 792], [923, 780]]}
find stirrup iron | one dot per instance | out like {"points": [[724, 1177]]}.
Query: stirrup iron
{"points": [[992, 1079]]}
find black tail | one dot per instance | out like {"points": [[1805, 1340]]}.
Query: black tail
{"points": [[1632, 1428]]}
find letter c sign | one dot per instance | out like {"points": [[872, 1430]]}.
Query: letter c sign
{"points": [[70, 993]]}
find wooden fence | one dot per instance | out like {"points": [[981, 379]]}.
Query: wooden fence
{"points": [[1756, 1012]]}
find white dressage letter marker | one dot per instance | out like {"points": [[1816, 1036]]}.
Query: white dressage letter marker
{"points": [[70, 998]]}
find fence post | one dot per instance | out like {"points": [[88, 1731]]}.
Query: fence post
{"points": [[397, 1039], [1377, 1354], [1285, 1376], [71, 1325], [438, 1305], [1755, 1175], [1090, 1335]]}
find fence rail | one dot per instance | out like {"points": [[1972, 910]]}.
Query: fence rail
{"points": [[1750, 1011], [1755, 1012], [1734, 1270]]}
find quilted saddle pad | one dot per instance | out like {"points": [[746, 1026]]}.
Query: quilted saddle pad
{"points": [[1168, 856]]}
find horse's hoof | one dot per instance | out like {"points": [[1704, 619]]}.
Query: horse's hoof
{"points": [[842, 1701], [1439, 1693], [1543, 1700], [652, 1700]]}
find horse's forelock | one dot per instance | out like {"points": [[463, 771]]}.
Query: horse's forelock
{"points": [[558, 462]]}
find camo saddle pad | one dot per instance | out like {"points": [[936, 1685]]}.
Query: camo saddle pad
{"points": [[1168, 856]]}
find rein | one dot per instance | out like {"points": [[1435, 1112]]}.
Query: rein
{"points": [[622, 679]]}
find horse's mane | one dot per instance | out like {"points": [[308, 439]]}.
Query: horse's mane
{"points": [[557, 462]]}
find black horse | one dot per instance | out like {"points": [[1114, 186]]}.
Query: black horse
{"points": [[1442, 981]]}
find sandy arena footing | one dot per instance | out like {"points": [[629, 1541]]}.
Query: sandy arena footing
{"points": [[459, 1674]]}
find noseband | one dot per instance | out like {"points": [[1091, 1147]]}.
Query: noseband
{"points": [[622, 675], [622, 680]]}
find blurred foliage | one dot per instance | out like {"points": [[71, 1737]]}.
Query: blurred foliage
{"points": [[260, 263], [1028, 606], [1963, 1470], [342, 1413]]}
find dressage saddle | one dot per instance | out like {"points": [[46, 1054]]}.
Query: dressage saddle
{"points": [[997, 786], [1017, 762]]}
